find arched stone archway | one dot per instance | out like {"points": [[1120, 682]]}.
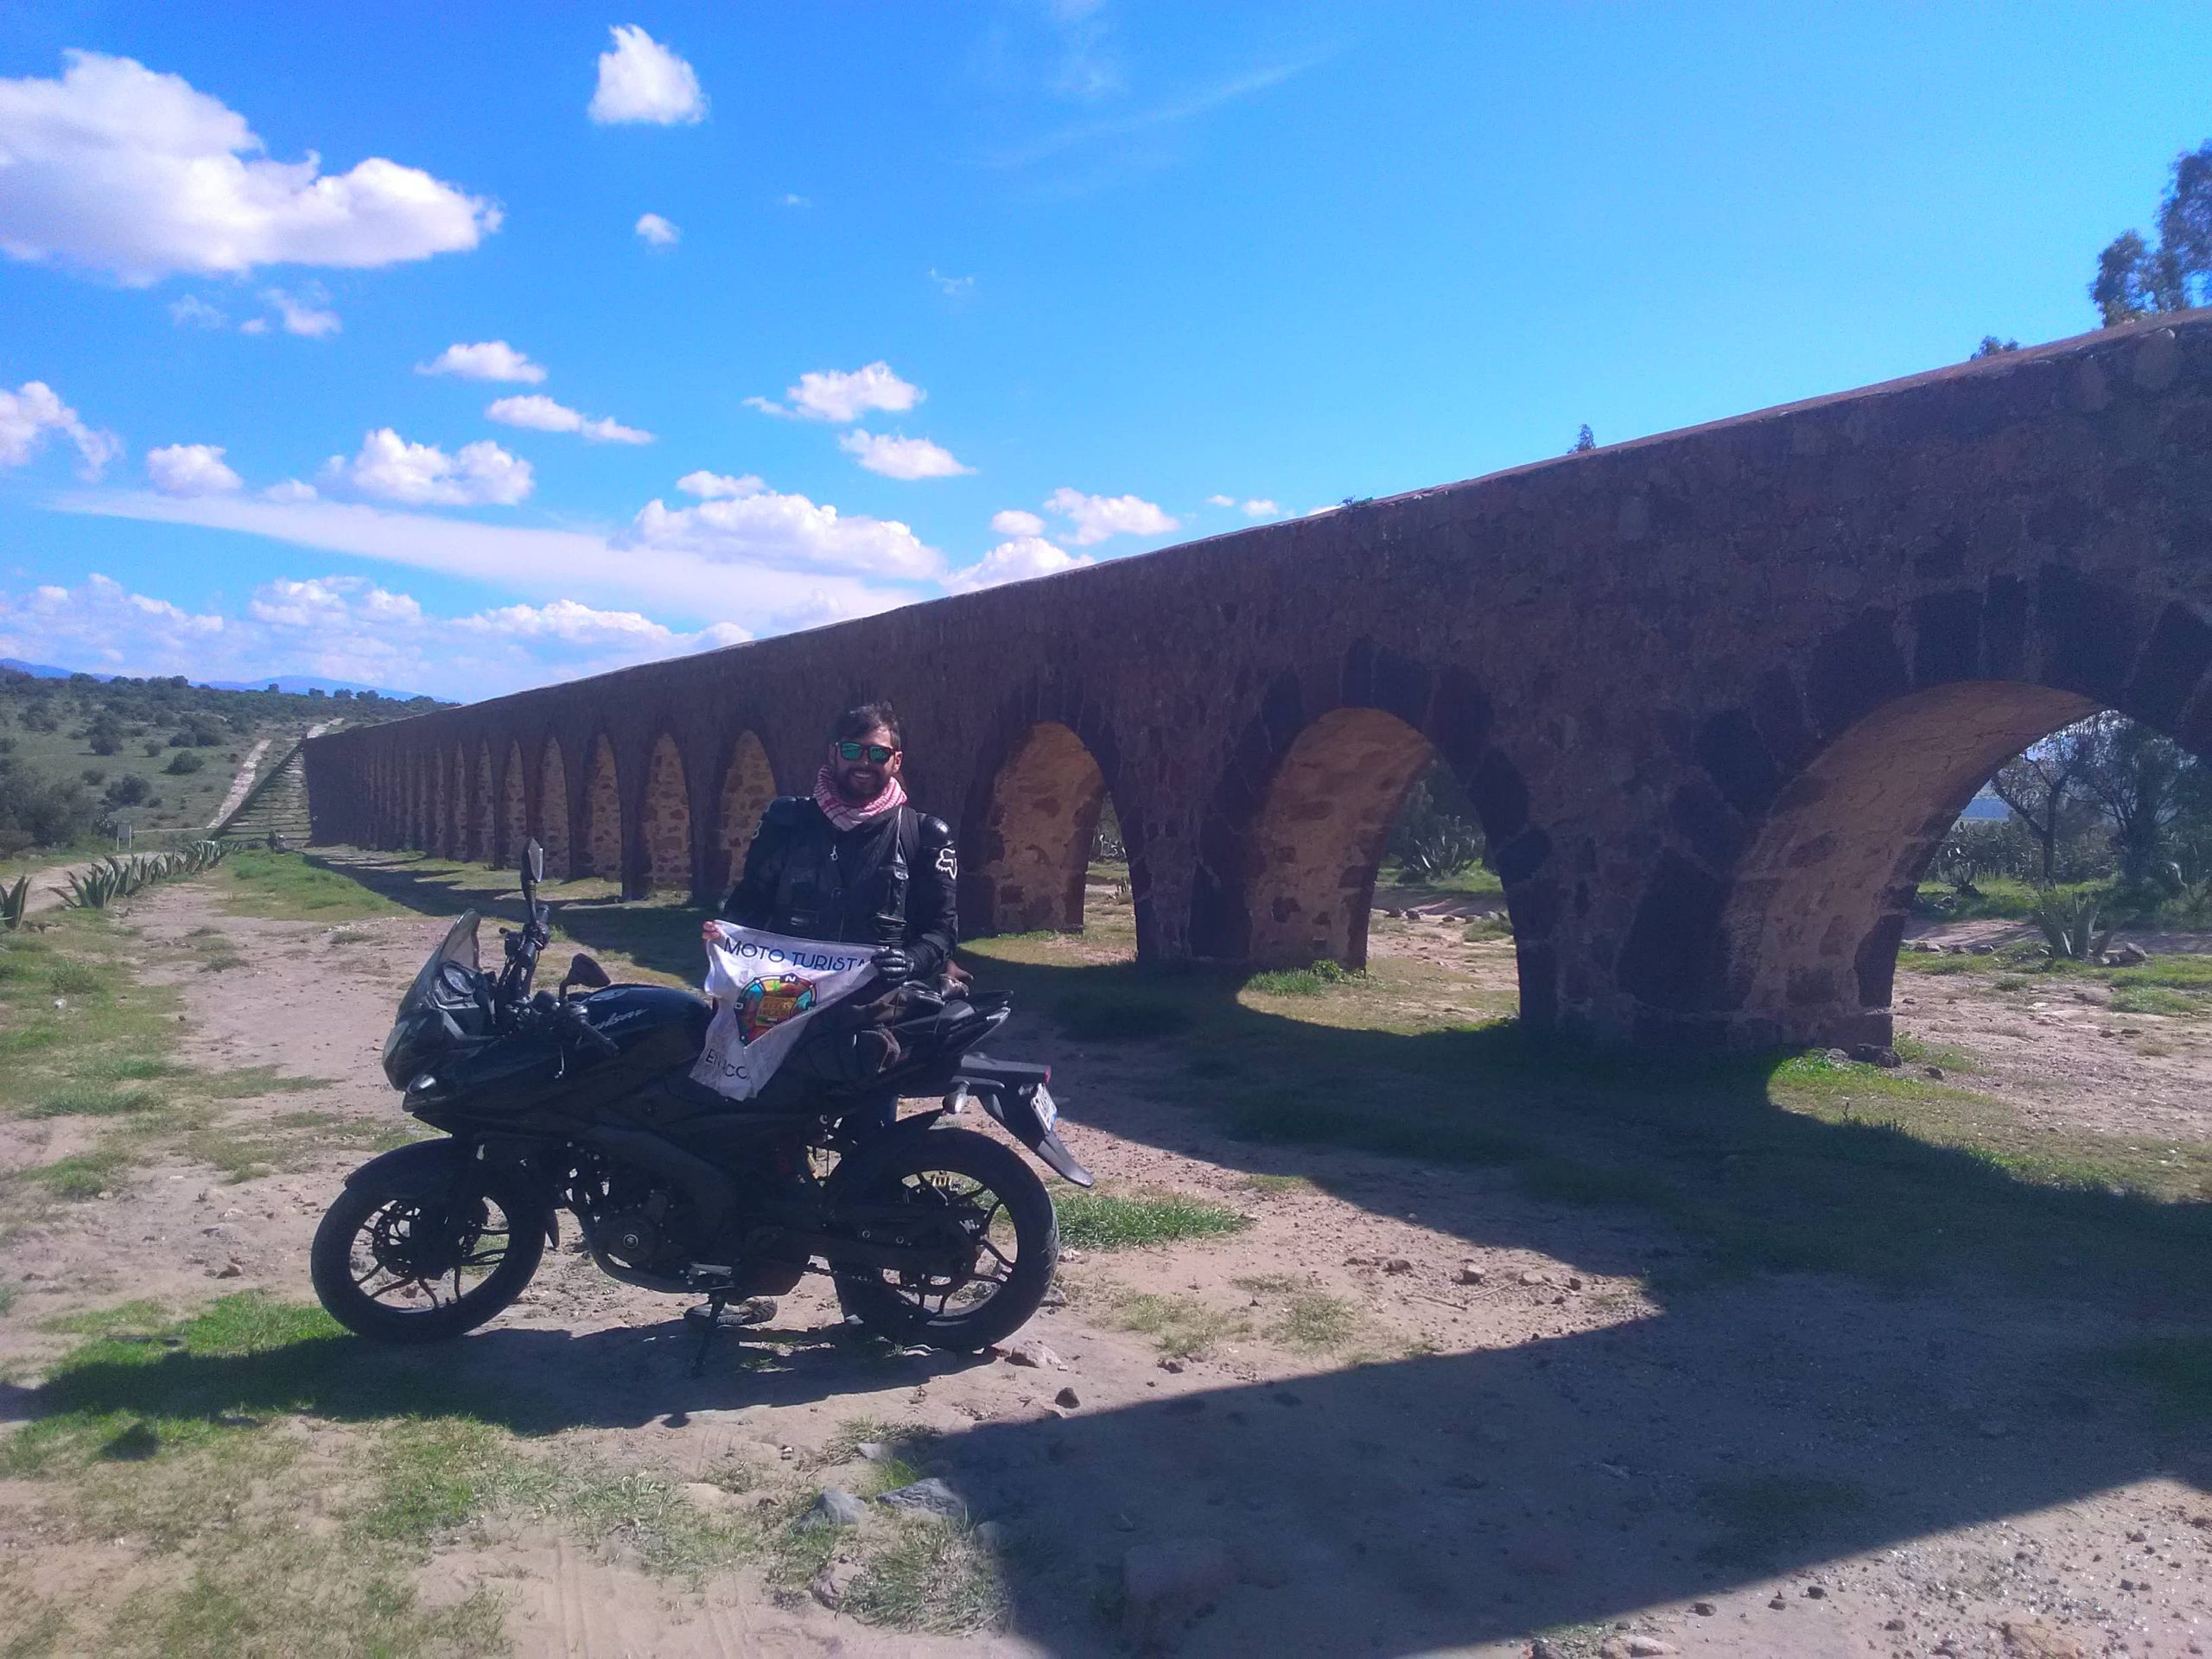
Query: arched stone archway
{"points": [[748, 787], [553, 817], [665, 820], [1810, 929], [1319, 835], [1026, 868], [514, 808], [602, 848], [439, 840], [482, 844], [457, 806]]}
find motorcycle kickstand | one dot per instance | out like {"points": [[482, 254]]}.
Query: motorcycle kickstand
{"points": [[708, 1327]]}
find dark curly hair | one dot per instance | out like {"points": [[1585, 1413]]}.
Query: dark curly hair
{"points": [[860, 721]]}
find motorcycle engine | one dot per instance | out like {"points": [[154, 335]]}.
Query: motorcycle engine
{"points": [[633, 1236]]}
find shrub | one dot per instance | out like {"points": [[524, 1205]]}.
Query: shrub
{"points": [[41, 811], [185, 760], [153, 746], [128, 789]]}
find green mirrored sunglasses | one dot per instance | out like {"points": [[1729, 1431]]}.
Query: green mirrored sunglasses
{"points": [[875, 753]]}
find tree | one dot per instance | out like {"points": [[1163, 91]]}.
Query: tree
{"points": [[2136, 777], [2043, 787], [2135, 279], [1584, 440], [1993, 346]]}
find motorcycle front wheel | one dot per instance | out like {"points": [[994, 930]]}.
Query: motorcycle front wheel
{"points": [[987, 1190], [409, 1266]]}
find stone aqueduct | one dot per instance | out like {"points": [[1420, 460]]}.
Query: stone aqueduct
{"points": [[1715, 696]]}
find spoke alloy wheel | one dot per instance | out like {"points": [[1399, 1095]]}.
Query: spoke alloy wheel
{"points": [[395, 1264], [980, 1214]]}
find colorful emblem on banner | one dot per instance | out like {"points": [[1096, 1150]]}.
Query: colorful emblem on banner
{"points": [[766, 1003]]}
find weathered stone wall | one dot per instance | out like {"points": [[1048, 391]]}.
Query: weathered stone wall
{"points": [[1713, 693]]}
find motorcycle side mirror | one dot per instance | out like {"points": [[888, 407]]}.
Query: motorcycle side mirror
{"points": [[533, 868], [583, 971]]}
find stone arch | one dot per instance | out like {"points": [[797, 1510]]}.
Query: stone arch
{"points": [[748, 785], [1026, 868], [664, 819], [514, 808], [457, 805], [602, 843], [1319, 835], [439, 841], [482, 844], [1774, 913], [553, 818], [1289, 846]]}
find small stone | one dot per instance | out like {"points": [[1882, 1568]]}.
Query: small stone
{"points": [[1054, 1297], [1838, 1057], [786, 1453], [1173, 1367], [1034, 1354], [1814, 1592], [835, 1508], [1893, 1623], [1934, 1072], [991, 1534], [1168, 1583], [1067, 1398], [1469, 1273], [833, 1582], [873, 1451], [228, 1270], [1778, 1603], [1398, 1264], [1702, 1609], [1530, 1276], [1574, 1284], [930, 1496], [2128, 955], [1879, 1054]]}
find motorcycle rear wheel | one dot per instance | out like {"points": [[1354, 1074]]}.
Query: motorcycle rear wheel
{"points": [[402, 1267], [996, 1198]]}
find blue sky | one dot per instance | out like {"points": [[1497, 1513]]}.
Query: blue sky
{"points": [[945, 296]]}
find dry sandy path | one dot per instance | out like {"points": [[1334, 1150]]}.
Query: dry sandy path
{"points": [[1564, 1448]]}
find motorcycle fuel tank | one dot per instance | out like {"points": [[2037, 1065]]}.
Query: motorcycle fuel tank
{"points": [[654, 1025]]}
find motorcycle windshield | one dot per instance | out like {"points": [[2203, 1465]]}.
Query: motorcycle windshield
{"points": [[448, 1000]]}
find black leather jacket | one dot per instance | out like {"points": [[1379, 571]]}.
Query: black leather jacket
{"points": [[869, 885]]}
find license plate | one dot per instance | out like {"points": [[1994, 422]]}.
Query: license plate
{"points": [[1047, 1113]]}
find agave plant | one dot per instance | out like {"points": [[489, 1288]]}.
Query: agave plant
{"points": [[1445, 850], [2068, 920], [95, 887], [14, 904]]}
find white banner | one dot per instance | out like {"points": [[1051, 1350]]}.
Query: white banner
{"points": [[766, 988]]}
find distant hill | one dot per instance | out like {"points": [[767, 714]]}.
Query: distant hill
{"points": [[297, 684]]}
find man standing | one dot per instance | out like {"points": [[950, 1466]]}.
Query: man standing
{"points": [[853, 863]]}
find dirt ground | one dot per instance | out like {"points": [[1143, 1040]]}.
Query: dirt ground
{"points": [[1523, 1436]]}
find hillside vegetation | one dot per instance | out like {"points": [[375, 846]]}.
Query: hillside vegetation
{"points": [[81, 758]]}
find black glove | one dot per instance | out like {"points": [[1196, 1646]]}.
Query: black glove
{"points": [[894, 966]]}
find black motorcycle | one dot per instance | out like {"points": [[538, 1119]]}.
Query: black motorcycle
{"points": [[583, 1101]]}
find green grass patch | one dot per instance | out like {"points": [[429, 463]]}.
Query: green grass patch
{"points": [[930, 1577], [2152, 999], [1303, 981], [1314, 1323], [1280, 1186], [1181, 1327], [292, 887], [1105, 1221], [92, 1100], [76, 979]]}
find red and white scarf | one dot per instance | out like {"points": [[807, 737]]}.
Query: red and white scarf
{"points": [[843, 815]]}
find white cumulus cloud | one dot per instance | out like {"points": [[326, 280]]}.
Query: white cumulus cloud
{"points": [[1261, 508], [1092, 518], [342, 627], [1015, 522], [840, 395], [192, 311], [906, 458], [540, 414], [190, 469], [488, 359], [34, 408], [642, 80], [291, 489], [310, 317], [658, 233], [1220, 500], [786, 530], [1014, 561], [120, 169], [714, 486], [421, 475]]}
